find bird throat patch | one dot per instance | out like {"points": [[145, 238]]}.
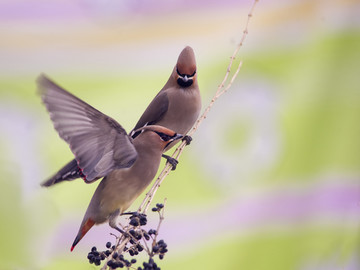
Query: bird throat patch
{"points": [[184, 83]]}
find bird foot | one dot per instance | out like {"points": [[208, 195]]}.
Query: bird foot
{"points": [[173, 162], [187, 139]]}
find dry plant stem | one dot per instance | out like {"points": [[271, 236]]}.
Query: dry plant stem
{"points": [[222, 88], [149, 196], [121, 241], [120, 244], [220, 91], [161, 215]]}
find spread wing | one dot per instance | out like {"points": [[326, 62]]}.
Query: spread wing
{"points": [[153, 113], [99, 143]]}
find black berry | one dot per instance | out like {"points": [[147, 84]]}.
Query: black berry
{"points": [[143, 220], [115, 255], [140, 248], [134, 222], [159, 205]]}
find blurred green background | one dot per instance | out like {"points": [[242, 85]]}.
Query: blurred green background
{"points": [[272, 178]]}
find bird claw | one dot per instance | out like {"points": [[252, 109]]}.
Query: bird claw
{"points": [[187, 139], [172, 161]]}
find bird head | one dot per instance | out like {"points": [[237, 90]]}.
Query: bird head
{"points": [[160, 135], [186, 68]]}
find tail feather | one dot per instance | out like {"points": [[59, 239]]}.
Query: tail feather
{"points": [[69, 172], [82, 231]]}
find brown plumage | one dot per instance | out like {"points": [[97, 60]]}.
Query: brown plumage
{"points": [[98, 142], [121, 187], [176, 106], [103, 149]]}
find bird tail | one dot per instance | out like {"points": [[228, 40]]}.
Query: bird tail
{"points": [[82, 231], [69, 172]]}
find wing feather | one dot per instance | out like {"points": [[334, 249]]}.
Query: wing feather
{"points": [[153, 113], [99, 143]]}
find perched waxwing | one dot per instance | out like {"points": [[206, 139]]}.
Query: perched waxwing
{"points": [[119, 188], [176, 106], [103, 149]]}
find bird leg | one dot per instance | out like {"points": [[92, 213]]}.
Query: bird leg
{"points": [[187, 139], [113, 224], [173, 162]]}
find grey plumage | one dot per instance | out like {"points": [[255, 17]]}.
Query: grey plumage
{"points": [[69, 172], [117, 191], [98, 142], [102, 148], [176, 106]]}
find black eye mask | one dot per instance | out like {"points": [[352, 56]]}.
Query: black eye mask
{"points": [[185, 80], [183, 75], [164, 137]]}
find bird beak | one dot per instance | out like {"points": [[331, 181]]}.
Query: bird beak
{"points": [[185, 78]]}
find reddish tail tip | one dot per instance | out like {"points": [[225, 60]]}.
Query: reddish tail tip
{"points": [[83, 230], [77, 240]]}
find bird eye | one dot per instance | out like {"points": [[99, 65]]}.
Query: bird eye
{"points": [[183, 75], [164, 137]]}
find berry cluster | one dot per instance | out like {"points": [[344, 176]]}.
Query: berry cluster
{"points": [[96, 257], [116, 260], [160, 248], [133, 241], [137, 219], [151, 265], [158, 207]]}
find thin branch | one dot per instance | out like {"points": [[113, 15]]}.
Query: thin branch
{"points": [[224, 86], [220, 91], [161, 215]]}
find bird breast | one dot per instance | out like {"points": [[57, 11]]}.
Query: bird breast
{"points": [[122, 187], [184, 109]]}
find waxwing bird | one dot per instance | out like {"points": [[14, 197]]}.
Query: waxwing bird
{"points": [[121, 187], [176, 106], [98, 142], [103, 149]]}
